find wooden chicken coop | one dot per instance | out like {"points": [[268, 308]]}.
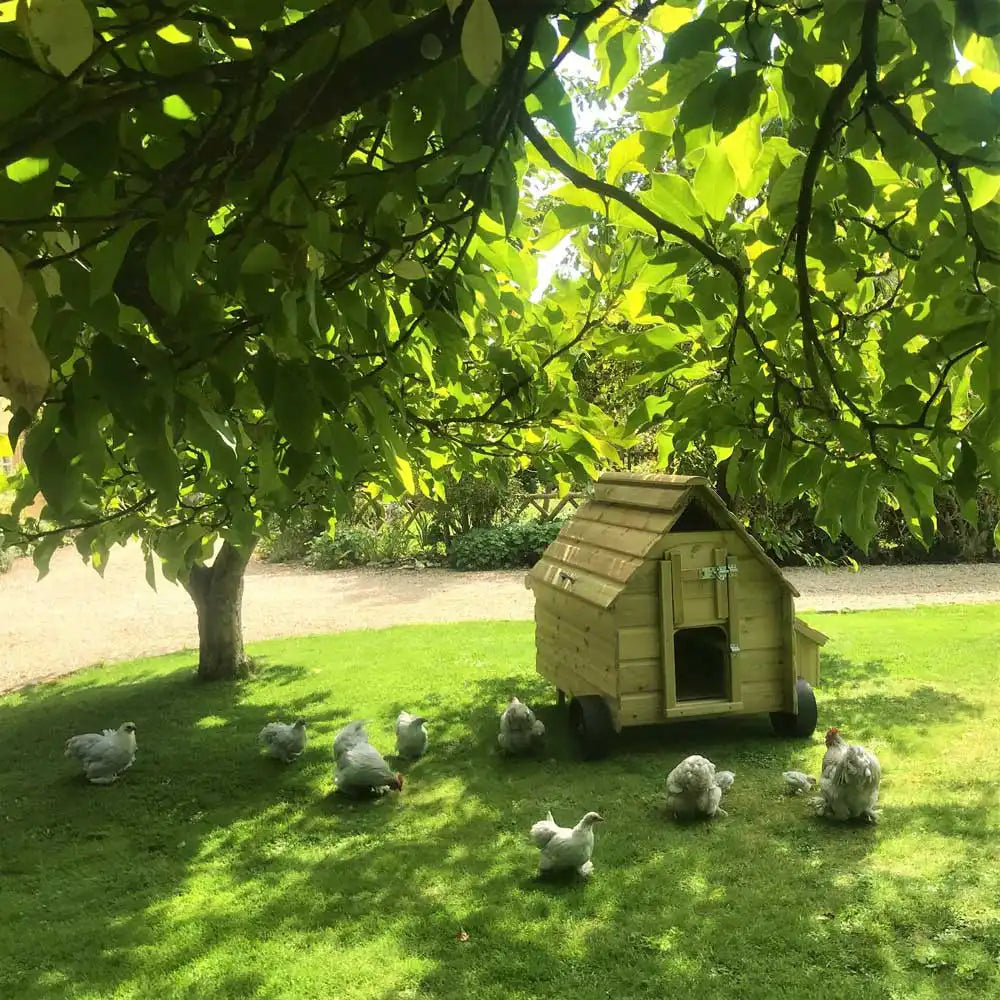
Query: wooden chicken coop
{"points": [[654, 604]]}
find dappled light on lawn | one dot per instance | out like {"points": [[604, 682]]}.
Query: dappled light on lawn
{"points": [[208, 868]]}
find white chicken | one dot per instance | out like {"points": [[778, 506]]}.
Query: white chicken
{"points": [[797, 782], [694, 789], [520, 731], [360, 770], [104, 755], [411, 736], [351, 735], [849, 782], [284, 741], [564, 848]]}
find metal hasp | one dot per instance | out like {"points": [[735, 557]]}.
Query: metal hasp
{"points": [[718, 572]]}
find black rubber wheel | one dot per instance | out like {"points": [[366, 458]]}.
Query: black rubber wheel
{"points": [[591, 726], [802, 725]]}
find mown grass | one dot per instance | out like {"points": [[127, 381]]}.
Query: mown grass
{"points": [[209, 871]]}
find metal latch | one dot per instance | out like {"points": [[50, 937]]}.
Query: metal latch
{"points": [[717, 572]]}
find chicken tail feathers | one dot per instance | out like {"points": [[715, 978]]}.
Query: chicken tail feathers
{"points": [[544, 830]]}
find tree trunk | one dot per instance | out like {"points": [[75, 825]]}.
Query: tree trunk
{"points": [[217, 592]]}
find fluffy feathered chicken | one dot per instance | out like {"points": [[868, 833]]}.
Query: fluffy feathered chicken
{"points": [[694, 788], [797, 782], [284, 741], [360, 770], [520, 731], [849, 782], [351, 735], [564, 848], [104, 755], [411, 736]]}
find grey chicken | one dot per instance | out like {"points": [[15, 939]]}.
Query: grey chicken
{"points": [[565, 848], [694, 789], [411, 736], [849, 782], [797, 782], [520, 731], [360, 770], [351, 735], [104, 755], [284, 741]]}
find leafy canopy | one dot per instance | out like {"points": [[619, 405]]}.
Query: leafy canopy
{"points": [[270, 252], [270, 249]]}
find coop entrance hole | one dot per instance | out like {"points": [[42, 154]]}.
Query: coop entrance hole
{"points": [[701, 663]]}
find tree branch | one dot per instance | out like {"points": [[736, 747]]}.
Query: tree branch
{"points": [[828, 124]]}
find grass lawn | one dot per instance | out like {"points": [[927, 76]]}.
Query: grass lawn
{"points": [[209, 871]]}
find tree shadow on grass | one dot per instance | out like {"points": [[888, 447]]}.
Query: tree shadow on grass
{"points": [[169, 884]]}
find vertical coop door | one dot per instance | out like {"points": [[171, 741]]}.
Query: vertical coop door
{"points": [[700, 628]]}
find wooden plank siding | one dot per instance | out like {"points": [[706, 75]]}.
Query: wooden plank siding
{"points": [[652, 497], [656, 521], [634, 542], [585, 674]]}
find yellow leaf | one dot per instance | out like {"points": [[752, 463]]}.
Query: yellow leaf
{"points": [[174, 106], [405, 475], [667, 18], [24, 369], [173, 35], [11, 283]]}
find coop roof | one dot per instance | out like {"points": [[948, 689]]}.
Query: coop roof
{"points": [[612, 534]]}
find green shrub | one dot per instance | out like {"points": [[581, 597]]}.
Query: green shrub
{"points": [[507, 546], [288, 541], [350, 545]]}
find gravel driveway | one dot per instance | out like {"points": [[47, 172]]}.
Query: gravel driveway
{"points": [[74, 618]]}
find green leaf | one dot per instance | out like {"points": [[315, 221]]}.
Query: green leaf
{"points": [[150, 569], [482, 42], [743, 149], [296, 404], [853, 438], [622, 61], [164, 285], [860, 189], [715, 183], [671, 196], [736, 99], [555, 107], [407, 267], [59, 33], [157, 464], [41, 554], [106, 262], [984, 187], [783, 197]]}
